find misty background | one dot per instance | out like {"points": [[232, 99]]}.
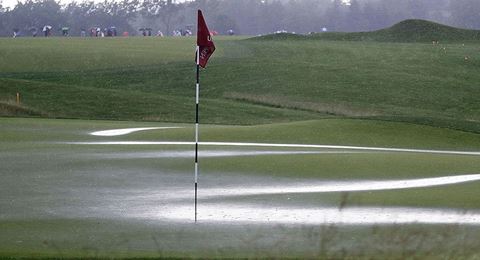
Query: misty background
{"points": [[245, 17]]}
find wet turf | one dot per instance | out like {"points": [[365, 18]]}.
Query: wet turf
{"points": [[59, 199]]}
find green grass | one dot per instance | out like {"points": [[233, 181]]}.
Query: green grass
{"points": [[311, 242], [354, 132], [247, 81], [89, 54], [63, 200], [147, 240], [412, 30], [51, 194]]}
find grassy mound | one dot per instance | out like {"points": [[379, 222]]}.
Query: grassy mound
{"points": [[408, 31], [426, 31], [412, 30], [281, 36]]}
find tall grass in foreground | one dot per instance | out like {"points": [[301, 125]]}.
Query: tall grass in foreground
{"points": [[253, 241]]}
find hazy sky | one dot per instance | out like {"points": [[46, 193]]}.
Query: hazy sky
{"points": [[12, 3], [8, 3]]}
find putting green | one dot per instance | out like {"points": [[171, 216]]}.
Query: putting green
{"points": [[65, 194]]}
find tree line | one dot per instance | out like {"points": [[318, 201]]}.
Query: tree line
{"points": [[248, 17]]}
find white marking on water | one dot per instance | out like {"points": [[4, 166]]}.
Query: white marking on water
{"points": [[362, 148], [338, 186], [208, 154], [125, 131], [237, 190], [228, 213], [262, 214]]}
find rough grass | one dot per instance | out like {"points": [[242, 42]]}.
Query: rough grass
{"points": [[11, 108], [283, 102], [150, 241]]}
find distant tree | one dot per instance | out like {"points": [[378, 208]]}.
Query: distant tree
{"points": [[272, 15], [222, 23], [251, 17], [304, 16], [245, 13], [36, 14], [85, 15], [168, 12], [78, 15], [3, 19], [111, 13], [210, 8]]}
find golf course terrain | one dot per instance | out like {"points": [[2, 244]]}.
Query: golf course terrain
{"points": [[332, 145]]}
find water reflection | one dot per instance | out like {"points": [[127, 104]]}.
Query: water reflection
{"points": [[125, 131], [229, 213]]}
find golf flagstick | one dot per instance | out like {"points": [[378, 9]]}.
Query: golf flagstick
{"points": [[205, 49], [197, 99]]}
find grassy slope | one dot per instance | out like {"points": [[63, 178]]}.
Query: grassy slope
{"points": [[413, 30], [247, 82], [362, 79], [135, 79]]}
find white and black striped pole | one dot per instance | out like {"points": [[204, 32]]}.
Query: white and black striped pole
{"points": [[197, 99], [205, 49]]}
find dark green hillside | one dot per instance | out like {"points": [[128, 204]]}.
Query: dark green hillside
{"points": [[405, 31], [426, 31], [408, 31]]}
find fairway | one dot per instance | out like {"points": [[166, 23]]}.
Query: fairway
{"points": [[68, 189], [249, 81]]}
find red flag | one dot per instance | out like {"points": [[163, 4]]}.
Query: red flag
{"points": [[204, 42]]}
